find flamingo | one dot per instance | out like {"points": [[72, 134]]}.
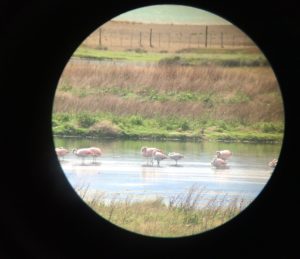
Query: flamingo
{"points": [[83, 152], [219, 163], [224, 154], [148, 153], [175, 156], [96, 152], [61, 152], [158, 156], [273, 163]]}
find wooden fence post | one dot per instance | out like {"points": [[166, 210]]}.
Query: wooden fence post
{"points": [[222, 43], [159, 40], [140, 39], [100, 38], [150, 39], [206, 34]]}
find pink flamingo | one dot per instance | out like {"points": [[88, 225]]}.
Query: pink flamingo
{"points": [[148, 152], [224, 154], [61, 152], [158, 156], [82, 152], [96, 152], [219, 163]]}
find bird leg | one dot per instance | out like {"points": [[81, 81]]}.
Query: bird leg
{"points": [[151, 160]]}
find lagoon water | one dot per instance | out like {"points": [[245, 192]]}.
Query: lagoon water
{"points": [[121, 171]]}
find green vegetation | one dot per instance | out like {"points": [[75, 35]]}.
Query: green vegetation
{"points": [[99, 54], [180, 216], [221, 57], [137, 126], [173, 98]]}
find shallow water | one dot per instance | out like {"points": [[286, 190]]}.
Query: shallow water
{"points": [[121, 171]]}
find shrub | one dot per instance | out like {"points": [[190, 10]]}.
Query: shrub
{"points": [[185, 125], [62, 117], [136, 120], [68, 129], [139, 50], [269, 127], [105, 128], [186, 96], [207, 101], [55, 123], [172, 61], [85, 120], [238, 98], [223, 125], [65, 88]]}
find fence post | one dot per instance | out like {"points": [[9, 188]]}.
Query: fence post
{"points": [[222, 43], [100, 39], [159, 40], [140, 39], [206, 34], [150, 39]]}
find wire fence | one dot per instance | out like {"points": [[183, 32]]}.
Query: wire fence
{"points": [[158, 40]]}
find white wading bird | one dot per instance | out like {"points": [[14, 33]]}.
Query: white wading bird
{"points": [[175, 156], [158, 156], [224, 154]]}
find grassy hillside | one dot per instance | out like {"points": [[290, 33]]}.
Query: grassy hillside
{"points": [[170, 98]]}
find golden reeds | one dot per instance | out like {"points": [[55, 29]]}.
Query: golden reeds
{"points": [[223, 93]]}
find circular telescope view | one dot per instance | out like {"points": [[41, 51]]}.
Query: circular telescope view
{"points": [[168, 121]]}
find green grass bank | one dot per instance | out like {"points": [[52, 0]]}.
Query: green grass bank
{"points": [[162, 128]]}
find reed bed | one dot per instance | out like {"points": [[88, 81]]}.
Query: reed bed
{"points": [[241, 93], [179, 216]]}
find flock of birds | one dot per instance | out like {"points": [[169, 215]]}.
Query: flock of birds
{"points": [[93, 152], [152, 154]]}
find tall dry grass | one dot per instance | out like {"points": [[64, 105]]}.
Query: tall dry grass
{"points": [[251, 94], [181, 216]]}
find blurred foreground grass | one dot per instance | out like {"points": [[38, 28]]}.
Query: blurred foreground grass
{"points": [[181, 215]]}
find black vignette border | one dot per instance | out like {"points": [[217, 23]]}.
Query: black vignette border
{"points": [[42, 218]]}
